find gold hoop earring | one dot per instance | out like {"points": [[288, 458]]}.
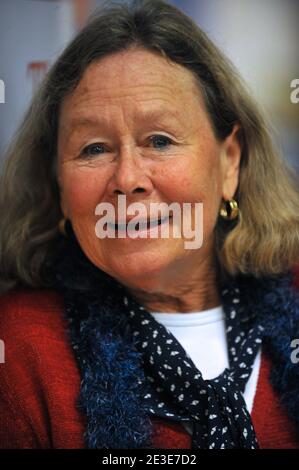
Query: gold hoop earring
{"points": [[229, 210], [61, 227]]}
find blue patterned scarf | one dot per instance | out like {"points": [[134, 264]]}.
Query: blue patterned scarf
{"points": [[116, 377]]}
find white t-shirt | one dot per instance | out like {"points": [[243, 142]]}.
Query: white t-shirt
{"points": [[202, 335]]}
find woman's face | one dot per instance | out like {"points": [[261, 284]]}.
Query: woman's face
{"points": [[136, 125]]}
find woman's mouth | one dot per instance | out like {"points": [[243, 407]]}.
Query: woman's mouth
{"points": [[141, 227]]}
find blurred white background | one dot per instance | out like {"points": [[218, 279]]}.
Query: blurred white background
{"points": [[261, 37]]}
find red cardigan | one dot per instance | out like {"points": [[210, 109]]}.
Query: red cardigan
{"points": [[40, 382]]}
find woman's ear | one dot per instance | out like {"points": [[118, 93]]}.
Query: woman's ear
{"points": [[231, 158]]}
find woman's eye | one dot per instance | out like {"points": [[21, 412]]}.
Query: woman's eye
{"points": [[93, 149], [160, 141]]}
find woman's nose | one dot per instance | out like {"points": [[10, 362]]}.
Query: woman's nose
{"points": [[130, 177]]}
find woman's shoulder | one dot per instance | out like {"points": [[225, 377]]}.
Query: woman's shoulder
{"points": [[30, 311], [32, 324], [33, 330], [39, 378]]}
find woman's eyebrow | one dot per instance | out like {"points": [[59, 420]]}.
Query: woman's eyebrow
{"points": [[159, 116], [78, 123]]}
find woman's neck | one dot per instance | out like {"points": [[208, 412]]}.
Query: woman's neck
{"points": [[189, 293]]}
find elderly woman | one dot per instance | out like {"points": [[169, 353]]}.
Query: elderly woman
{"points": [[120, 341]]}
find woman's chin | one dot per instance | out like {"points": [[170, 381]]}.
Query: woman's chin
{"points": [[139, 268]]}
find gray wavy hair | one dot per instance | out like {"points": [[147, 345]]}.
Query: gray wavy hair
{"points": [[265, 241]]}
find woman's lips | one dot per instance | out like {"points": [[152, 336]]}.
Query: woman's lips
{"points": [[141, 226]]}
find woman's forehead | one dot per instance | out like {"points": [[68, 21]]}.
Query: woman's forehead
{"points": [[138, 75]]}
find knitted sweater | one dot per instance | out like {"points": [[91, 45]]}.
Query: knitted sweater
{"points": [[40, 383]]}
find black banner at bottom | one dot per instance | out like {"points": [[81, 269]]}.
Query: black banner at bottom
{"points": [[143, 458]]}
